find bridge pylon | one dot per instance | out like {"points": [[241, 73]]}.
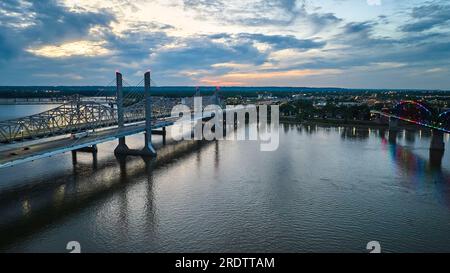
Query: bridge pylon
{"points": [[148, 150], [122, 148]]}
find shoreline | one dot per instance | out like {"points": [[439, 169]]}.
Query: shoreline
{"points": [[360, 124]]}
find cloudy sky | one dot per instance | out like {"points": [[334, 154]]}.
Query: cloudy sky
{"points": [[341, 43]]}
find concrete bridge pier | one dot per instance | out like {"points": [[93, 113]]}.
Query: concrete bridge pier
{"points": [[94, 161], [436, 157], [393, 130], [393, 136], [149, 165], [410, 136], [393, 124], [122, 159], [91, 149], [437, 141], [162, 133], [74, 158], [148, 149], [122, 147]]}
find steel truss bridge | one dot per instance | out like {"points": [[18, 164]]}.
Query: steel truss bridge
{"points": [[78, 116]]}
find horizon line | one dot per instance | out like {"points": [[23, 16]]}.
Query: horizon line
{"points": [[238, 86]]}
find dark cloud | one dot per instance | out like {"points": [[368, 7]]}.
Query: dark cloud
{"points": [[361, 35], [427, 17], [55, 23], [201, 53], [321, 20], [287, 4], [133, 45], [31, 23], [428, 52], [7, 47], [138, 41], [11, 6], [204, 51], [52, 23], [361, 28], [365, 47]]}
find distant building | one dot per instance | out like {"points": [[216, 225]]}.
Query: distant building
{"points": [[320, 104], [349, 104]]}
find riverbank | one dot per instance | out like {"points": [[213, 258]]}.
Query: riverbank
{"points": [[343, 123]]}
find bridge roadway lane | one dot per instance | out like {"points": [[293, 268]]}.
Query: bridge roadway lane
{"points": [[411, 121], [17, 155]]}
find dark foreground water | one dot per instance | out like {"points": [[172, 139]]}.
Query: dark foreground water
{"points": [[323, 190]]}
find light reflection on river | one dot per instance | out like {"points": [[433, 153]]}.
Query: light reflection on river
{"points": [[323, 190]]}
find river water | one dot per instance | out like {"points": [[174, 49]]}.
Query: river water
{"points": [[16, 111], [324, 190]]}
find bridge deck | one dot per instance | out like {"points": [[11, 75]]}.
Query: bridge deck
{"points": [[411, 121], [14, 156], [18, 155]]}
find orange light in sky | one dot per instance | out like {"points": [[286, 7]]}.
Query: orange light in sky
{"points": [[245, 78]]}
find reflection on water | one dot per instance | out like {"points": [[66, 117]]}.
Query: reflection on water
{"points": [[355, 133], [38, 205], [325, 189], [420, 172]]}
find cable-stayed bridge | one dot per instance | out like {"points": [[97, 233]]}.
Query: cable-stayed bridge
{"points": [[79, 124]]}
